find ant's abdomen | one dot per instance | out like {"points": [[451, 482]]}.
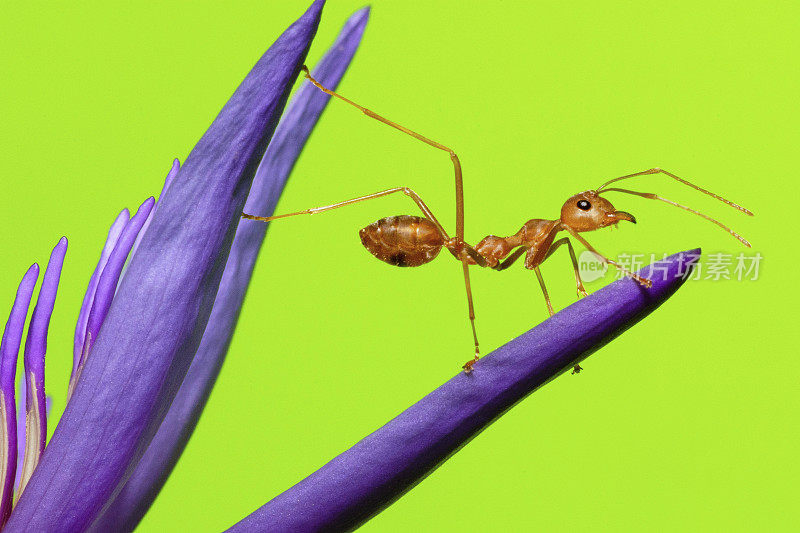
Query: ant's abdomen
{"points": [[404, 240]]}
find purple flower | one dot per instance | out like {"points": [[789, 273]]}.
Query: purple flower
{"points": [[146, 325], [160, 310], [368, 477]]}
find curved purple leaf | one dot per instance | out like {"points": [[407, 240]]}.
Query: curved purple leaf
{"points": [[295, 126], [368, 477], [158, 316]]}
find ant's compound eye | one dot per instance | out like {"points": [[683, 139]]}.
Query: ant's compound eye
{"points": [[584, 205]]}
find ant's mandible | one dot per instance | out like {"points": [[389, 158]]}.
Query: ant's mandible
{"points": [[409, 241]]}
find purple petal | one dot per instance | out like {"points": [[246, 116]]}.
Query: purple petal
{"points": [[107, 286], [35, 349], [88, 299], [173, 171], [9, 352], [293, 131], [157, 319], [379, 469], [295, 126]]}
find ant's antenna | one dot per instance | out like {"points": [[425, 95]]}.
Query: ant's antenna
{"points": [[652, 196], [673, 176]]}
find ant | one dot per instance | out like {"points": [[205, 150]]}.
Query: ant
{"points": [[410, 241]]}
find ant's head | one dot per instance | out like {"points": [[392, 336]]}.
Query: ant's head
{"points": [[588, 211]]}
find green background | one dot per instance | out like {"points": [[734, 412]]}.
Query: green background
{"points": [[686, 422]]}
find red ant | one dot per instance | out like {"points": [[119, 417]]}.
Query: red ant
{"points": [[410, 241]]}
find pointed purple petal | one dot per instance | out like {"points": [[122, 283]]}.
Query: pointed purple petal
{"points": [[88, 299], [107, 286], [35, 350], [157, 319], [173, 171], [294, 129], [9, 352], [379, 469]]}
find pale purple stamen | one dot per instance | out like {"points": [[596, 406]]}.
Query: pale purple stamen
{"points": [[109, 278], [35, 349], [88, 299], [21, 438], [9, 351]]}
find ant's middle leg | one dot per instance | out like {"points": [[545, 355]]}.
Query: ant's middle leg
{"points": [[471, 308], [577, 368], [578, 281], [581, 289]]}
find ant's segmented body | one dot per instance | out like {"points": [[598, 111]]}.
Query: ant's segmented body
{"points": [[410, 241]]}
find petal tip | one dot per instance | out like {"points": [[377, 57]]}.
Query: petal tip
{"points": [[358, 20], [692, 256], [314, 10], [364, 12]]}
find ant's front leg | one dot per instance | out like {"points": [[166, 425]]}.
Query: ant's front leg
{"points": [[644, 282]]}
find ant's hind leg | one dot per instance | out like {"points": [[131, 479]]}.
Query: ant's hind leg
{"points": [[453, 157], [314, 210]]}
